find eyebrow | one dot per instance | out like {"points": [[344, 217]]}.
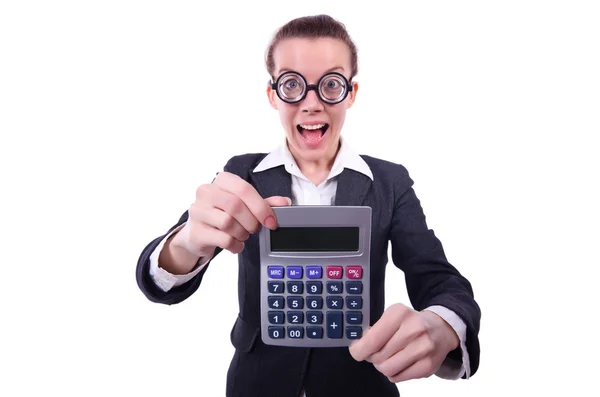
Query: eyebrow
{"points": [[327, 71]]}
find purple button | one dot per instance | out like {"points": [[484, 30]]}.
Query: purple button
{"points": [[294, 271], [275, 271], [314, 271]]}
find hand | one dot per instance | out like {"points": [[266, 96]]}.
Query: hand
{"points": [[405, 344], [224, 214]]}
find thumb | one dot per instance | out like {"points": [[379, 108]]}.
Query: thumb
{"points": [[278, 201]]}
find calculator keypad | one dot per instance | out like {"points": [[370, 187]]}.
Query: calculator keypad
{"points": [[315, 302]]}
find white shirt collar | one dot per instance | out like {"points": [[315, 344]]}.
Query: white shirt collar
{"points": [[346, 158]]}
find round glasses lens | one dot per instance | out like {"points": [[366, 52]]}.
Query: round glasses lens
{"points": [[291, 87], [333, 88]]}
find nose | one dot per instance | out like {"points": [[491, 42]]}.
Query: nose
{"points": [[312, 103]]}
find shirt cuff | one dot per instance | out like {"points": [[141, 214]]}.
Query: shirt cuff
{"points": [[165, 280], [451, 368]]}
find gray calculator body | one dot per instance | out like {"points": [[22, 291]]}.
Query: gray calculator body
{"points": [[301, 305]]}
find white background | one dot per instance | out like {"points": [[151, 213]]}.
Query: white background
{"points": [[113, 112]]}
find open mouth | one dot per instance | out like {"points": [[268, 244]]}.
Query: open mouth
{"points": [[312, 132]]}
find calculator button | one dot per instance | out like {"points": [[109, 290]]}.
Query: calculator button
{"points": [[295, 287], [335, 287], [334, 272], [276, 317], [276, 287], [294, 271], [314, 287], [354, 287], [354, 302], [314, 317], [295, 302], [295, 332], [335, 325], [353, 332], [354, 272], [314, 332], [354, 317], [275, 302], [276, 332], [275, 271], [295, 317], [334, 302], [314, 272], [314, 302]]}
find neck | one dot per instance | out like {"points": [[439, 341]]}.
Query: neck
{"points": [[317, 170]]}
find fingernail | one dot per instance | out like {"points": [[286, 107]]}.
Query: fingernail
{"points": [[289, 201], [270, 222]]}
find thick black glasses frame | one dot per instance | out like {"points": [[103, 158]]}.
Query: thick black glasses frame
{"points": [[313, 87]]}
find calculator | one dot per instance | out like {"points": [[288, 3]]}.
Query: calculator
{"points": [[315, 276]]}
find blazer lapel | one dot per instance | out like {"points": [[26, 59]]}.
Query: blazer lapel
{"points": [[272, 182], [352, 188]]}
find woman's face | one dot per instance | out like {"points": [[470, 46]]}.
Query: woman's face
{"points": [[312, 58]]}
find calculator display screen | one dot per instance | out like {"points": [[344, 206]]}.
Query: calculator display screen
{"points": [[319, 239]]}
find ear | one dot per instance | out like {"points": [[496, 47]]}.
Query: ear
{"points": [[352, 94], [271, 94]]}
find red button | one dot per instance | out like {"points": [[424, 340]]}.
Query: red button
{"points": [[334, 272], [354, 272]]}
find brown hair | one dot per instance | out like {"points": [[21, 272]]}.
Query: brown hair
{"points": [[314, 27]]}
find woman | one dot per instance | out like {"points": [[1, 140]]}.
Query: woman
{"points": [[312, 62]]}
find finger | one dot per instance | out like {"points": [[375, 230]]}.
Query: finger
{"points": [[278, 201], [420, 369], [249, 196], [381, 332], [216, 238], [396, 343], [225, 222], [215, 196], [405, 358]]}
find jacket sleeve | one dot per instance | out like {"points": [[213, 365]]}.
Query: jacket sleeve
{"points": [[430, 278], [150, 289]]}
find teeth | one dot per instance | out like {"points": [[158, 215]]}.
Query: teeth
{"points": [[312, 127]]}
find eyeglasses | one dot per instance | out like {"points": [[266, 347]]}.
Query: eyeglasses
{"points": [[332, 88]]}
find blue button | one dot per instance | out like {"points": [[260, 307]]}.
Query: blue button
{"points": [[354, 317], [354, 287], [314, 302], [295, 287], [276, 287], [314, 332], [353, 332], [314, 272], [276, 317], [314, 287], [354, 302], [295, 317], [335, 287], [276, 302], [314, 317], [294, 271], [335, 325], [295, 332], [335, 302], [276, 332], [275, 271], [295, 302]]}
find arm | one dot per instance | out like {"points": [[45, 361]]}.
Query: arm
{"points": [[151, 290], [430, 279]]}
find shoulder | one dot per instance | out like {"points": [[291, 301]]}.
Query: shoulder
{"points": [[388, 173], [242, 164]]}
